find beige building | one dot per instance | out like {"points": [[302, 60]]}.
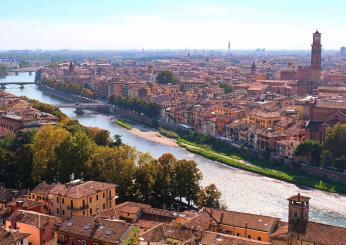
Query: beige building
{"points": [[76, 198]]}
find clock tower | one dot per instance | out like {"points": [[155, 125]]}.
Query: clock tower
{"points": [[316, 57]]}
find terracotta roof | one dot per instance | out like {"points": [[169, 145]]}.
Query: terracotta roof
{"points": [[82, 189], [146, 216], [314, 233], [42, 188], [238, 219], [164, 231], [9, 238], [211, 238], [33, 218], [97, 229], [24, 203]]}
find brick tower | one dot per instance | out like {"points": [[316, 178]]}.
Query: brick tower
{"points": [[298, 213], [316, 54]]}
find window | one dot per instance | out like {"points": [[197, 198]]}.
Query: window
{"points": [[259, 238], [91, 211], [57, 199], [83, 203], [104, 206], [63, 212], [249, 236], [237, 234], [71, 203], [73, 241], [83, 213], [62, 238], [33, 196], [104, 195], [90, 199], [63, 200], [57, 211], [97, 197]]}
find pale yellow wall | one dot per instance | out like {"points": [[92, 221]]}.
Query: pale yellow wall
{"points": [[98, 200], [232, 230]]}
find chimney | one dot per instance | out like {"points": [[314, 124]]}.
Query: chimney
{"points": [[298, 197]]}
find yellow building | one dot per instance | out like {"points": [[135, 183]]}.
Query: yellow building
{"points": [[263, 119], [76, 198]]}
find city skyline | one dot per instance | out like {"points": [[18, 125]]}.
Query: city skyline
{"points": [[152, 24]]}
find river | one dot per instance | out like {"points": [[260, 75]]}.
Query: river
{"points": [[241, 191]]}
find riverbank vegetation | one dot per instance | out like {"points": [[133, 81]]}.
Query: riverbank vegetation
{"points": [[124, 124], [3, 71], [79, 89], [52, 152], [135, 104], [221, 151]]}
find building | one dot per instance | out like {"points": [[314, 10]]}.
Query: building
{"points": [[299, 230], [316, 57], [142, 215], [263, 119], [76, 198], [11, 237], [92, 231], [343, 51], [38, 225]]}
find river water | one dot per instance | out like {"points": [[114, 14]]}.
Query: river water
{"points": [[241, 191]]}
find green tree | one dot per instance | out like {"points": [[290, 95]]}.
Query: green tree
{"points": [[227, 87], [166, 77], [72, 153], [336, 140], [209, 197], [340, 163], [45, 141], [116, 165], [146, 176], [100, 136], [186, 180], [309, 149]]}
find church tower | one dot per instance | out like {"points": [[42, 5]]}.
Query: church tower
{"points": [[298, 213], [253, 68], [316, 57]]}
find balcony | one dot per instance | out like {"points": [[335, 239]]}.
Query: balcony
{"points": [[78, 208]]}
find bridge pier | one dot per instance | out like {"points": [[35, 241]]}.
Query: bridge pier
{"points": [[21, 86], [16, 73], [79, 111], [3, 86], [30, 73]]}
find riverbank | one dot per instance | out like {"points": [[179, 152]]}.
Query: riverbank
{"points": [[276, 171]]}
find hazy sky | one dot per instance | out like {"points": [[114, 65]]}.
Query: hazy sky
{"points": [[170, 24]]}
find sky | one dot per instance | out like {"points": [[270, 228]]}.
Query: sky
{"points": [[170, 24]]}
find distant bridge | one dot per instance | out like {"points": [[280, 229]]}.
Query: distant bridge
{"points": [[21, 84], [82, 105]]}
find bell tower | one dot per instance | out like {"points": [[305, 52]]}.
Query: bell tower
{"points": [[298, 213], [316, 57]]}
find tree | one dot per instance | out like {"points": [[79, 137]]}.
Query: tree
{"points": [[166, 77], [336, 140], [116, 165], [100, 136], [186, 180], [45, 141], [72, 154], [209, 197], [309, 149], [146, 177], [163, 188], [326, 158], [227, 87]]}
